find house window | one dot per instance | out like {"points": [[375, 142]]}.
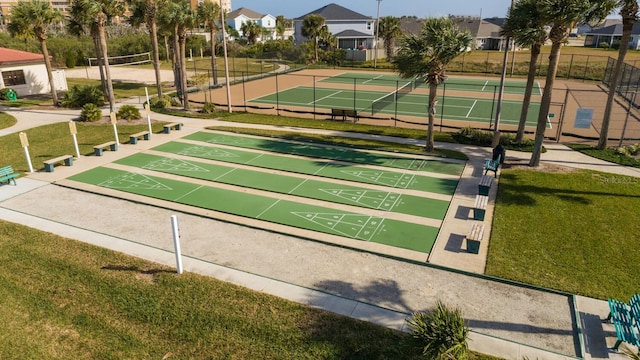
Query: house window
{"points": [[14, 77]]}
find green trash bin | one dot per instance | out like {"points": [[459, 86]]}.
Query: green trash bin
{"points": [[11, 95]]}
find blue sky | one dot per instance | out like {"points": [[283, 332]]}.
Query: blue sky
{"points": [[420, 8]]}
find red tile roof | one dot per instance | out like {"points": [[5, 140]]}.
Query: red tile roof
{"points": [[8, 56]]}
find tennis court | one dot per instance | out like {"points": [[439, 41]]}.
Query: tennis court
{"points": [[336, 192], [405, 102]]}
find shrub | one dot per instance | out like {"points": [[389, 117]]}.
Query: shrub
{"points": [[90, 112], [80, 95], [442, 333], [473, 136], [128, 112], [3, 93], [159, 103], [208, 108]]}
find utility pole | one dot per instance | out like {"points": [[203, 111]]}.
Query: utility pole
{"points": [[226, 60], [375, 46], [496, 130]]}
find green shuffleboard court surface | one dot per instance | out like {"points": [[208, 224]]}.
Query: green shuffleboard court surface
{"points": [[394, 179], [316, 218], [308, 188], [331, 153]]}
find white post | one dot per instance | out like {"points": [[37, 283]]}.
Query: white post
{"points": [[74, 131], [25, 145], [176, 242], [147, 108], [226, 59]]}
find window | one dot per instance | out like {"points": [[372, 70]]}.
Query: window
{"points": [[14, 77], [368, 26]]}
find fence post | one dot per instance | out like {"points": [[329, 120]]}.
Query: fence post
{"points": [[244, 93], [314, 97], [570, 66], [626, 119], [277, 97]]}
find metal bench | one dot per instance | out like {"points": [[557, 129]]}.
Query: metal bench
{"points": [[133, 138], [343, 113], [7, 174], [49, 164], [485, 185], [480, 207], [492, 165], [168, 127], [625, 319], [474, 237], [97, 150]]}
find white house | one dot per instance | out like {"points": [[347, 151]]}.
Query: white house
{"points": [[237, 17], [26, 73], [353, 30]]}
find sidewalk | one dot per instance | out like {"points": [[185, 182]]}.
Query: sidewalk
{"points": [[373, 288]]}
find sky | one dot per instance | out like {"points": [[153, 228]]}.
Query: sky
{"points": [[421, 8]]}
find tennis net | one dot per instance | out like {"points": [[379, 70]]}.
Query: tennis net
{"points": [[382, 102]]}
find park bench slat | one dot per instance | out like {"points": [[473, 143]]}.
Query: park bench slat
{"points": [[7, 174], [480, 207], [49, 164]]}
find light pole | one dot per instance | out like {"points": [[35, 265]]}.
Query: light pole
{"points": [[375, 46], [226, 60], [496, 130]]}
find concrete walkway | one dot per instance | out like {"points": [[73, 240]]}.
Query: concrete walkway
{"points": [[507, 320]]}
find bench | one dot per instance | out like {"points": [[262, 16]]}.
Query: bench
{"points": [[344, 113], [168, 127], [7, 174], [492, 165], [97, 150], [133, 138], [474, 237], [626, 321], [480, 207], [67, 159], [484, 185]]}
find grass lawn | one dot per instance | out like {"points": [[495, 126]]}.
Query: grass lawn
{"points": [[6, 120]]}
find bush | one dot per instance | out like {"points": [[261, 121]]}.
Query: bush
{"points": [[3, 93], [473, 136], [80, 95], [442, 333], [90, 112], [128, 112], [208, 108], [160, 102]]}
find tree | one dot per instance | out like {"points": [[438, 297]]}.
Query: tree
{"points": [[32, 19], [389, 30], [427, 54], [209, 14], [250, 30], [629, 13], [96, 14], [281, 25], [146, 11], [524, 25], [561, 14], [312, 28]]}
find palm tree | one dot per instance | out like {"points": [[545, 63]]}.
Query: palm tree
{"points": [[96, 14], [426, 56], [33, 19], [524, 25], [389, 30], [312, 29], [629, 13], [561, 14], [251, 31], [209, 13], [281, 26], [146, 11]]}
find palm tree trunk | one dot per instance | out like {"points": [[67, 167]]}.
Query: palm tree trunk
{"points": [[96, 44], [433, 103], [545, 103], [47, 64], [531, 78], [177, 59], [213, 55], [153, 34], [183, 69], [107, 73]]}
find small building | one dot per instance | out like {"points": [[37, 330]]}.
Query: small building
{"points": [[237, 17], [26, 73], [610, 34], [485, 32]]}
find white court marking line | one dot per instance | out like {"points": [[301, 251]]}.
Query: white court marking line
{"points": [[375, 78], [267, 209], [190, 192], [471, 108], [224, 174], [485, 85], [325, 97], [297, 186]]}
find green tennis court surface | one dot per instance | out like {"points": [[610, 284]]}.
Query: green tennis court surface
{"points": [[309, 188], [329, 169], [321, 219], [329, 152], [368, 79], [470, 108]]}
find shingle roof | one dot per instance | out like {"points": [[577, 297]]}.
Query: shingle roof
{"points": [[336, 12], [352, 33], [8, 56], [246, 12], [614, 30]]}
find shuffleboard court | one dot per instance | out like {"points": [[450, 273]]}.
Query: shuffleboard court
{"points": [[309, 188], [352, 225], [329, 152], [329, 169]]}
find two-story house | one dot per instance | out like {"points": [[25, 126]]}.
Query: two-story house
{"points": [[353, 30], [237, 17]]}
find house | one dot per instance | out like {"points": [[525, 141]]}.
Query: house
{"points": [[351, 29], [485, 32], [610, 34], [26, 73], [237, 17]]}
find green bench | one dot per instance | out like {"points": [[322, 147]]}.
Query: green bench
{"points": [[626, 321], [98, 149], [168, 127], [480, 207], [133, 138], [49, 164], [485, 185], [492, 165], [474, 237], [7, 174]]}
